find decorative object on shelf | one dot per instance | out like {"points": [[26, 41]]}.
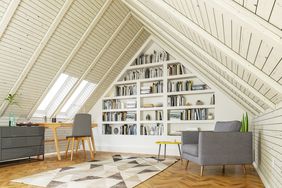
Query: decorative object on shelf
{"points": [[210, 116], [148, 117], [11, 99], [199, 102], [245, 123], [188, 104]]}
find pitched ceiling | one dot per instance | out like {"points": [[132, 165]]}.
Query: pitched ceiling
{"points": [[234, 44]]}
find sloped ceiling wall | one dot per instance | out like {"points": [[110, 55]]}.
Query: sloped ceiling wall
{"points": [[241, 54], [235, 44]]}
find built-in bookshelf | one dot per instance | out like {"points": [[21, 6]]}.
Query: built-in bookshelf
{"points": [[156, 95]]}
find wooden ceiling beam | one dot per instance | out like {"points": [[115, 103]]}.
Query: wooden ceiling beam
{"points": [[8, 15]]}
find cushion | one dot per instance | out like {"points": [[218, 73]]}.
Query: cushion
{"points": [[191, 149], [227, 126]]}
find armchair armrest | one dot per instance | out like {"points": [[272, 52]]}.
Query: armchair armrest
{"points": [[189, 137], [217, 148]]}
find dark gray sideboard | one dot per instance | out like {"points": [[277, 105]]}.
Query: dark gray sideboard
{"points": [[21, 142]]}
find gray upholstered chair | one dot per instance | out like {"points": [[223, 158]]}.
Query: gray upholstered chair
{"points": [[81, 131], [226, 145]]}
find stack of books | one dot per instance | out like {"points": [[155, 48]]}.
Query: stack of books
{"points": [[125, 90], [131, 104], [145, 90], [176, 100], [155, 87], [130, 116], [175, 69], [152, 129], [156, 56], [174, 86], [200, 87]]}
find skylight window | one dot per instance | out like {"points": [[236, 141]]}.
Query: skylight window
{"points": [[77, 99], [55, 96]]}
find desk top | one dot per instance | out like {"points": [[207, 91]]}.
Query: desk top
{"points": [[56, 125]]}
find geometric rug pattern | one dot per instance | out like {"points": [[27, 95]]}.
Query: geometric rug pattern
{"points": [[116, 172]]}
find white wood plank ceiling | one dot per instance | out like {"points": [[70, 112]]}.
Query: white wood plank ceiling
{"points": [[237, 44]]}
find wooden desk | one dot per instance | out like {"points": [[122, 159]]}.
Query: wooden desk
{"points": [[55, 126]]}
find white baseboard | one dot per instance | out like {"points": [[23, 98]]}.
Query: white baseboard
{"points": [[263, 179]]}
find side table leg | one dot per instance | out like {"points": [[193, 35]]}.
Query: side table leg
{"points": [[159, 152], [165, 151], [179, 152]]}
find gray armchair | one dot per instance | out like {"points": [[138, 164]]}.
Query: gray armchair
{"points": [[224, 146]]}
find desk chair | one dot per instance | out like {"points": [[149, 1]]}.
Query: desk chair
{"points": [[81, 131]]}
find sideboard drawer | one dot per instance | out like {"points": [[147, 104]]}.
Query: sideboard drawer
{"points": [[14, 153], [15, 142], [21, 131]]}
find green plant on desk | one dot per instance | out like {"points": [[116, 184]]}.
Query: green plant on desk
{"points": [[11, 99]]}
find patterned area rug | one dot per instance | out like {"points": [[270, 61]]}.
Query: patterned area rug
{"points": [[117, 172]]}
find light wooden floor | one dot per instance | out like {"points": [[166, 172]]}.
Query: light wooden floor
{"points": [[174, 177]]}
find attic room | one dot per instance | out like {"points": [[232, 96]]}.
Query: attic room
{"points": [[140, 93]]}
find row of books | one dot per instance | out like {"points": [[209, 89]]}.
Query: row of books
{"points": [[155, 87], [189, 114], [119, 116], [152, 129], [126, 129], [153, 72], [125, 90], [175, 69], [117, 104], [156, 56], [176, 100], [185, 85]]}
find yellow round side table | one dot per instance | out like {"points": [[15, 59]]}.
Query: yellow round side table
{"points": [[168, 143]]}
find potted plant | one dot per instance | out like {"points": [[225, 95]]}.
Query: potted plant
{"points": [[245, 123], [11, 99]]}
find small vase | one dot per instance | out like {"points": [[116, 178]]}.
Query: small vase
{"points": [[12, 119]]}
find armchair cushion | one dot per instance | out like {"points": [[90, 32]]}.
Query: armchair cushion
{"points": [[191, 149], [227, 126]]}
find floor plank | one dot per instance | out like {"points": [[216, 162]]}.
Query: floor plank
{"points": [[175, 176]]}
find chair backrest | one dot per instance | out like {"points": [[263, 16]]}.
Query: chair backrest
{"points": [[227, 126], [82, 125]]}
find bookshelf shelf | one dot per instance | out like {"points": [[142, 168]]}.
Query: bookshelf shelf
{"points": [[151, 95], [151, 109], [119, 110], [182, 76], [121, 97], [189, 107], [193, 92], [119, 122], [152, 84]]}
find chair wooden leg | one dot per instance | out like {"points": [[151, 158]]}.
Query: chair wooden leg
{"points": [[83, 146], [67, 150], [202, 170], [72, 148], [223, 168], [76, 149], [244, 168], [91, 152], [187, 165]]}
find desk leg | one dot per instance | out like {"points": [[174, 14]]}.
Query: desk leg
{"points": [[93, 143], [179, 152], [165, 151], [159, 152], [54, 130]]}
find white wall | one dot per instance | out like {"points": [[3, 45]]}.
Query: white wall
{"points": [[267, 131], [226, 109]]}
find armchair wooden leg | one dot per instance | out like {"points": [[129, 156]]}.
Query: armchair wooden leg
{"points": [[244, 168], [223, 168], [202, 170], [67, 150], [90, 147], [72, 148], [77, 145], [187, 165], [83, 146]]}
